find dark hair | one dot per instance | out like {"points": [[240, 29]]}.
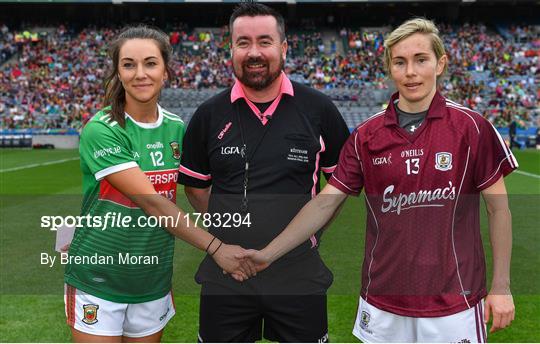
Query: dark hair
{"points": [[115, 95], [252, 9]]}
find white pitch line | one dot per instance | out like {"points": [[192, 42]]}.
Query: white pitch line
{"points": [[38, 165], [528, 174]]}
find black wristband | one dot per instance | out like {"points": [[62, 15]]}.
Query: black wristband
{"points": [[210, 245], [221, 243]]}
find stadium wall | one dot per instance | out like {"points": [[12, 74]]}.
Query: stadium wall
{"points": [[39, 138], [58, 141]]}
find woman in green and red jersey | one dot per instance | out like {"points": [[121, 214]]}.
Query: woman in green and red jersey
{"points": [[118, 276]]}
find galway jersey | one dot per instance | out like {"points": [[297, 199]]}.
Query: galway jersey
{"points": [[423, 253], [120, 254]]}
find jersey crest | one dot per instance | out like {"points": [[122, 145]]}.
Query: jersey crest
{"points": [[90, 314], [365, 317], [175, 146], [443, 161]]}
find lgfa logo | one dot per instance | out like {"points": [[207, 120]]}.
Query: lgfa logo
{"points": [[382, 160], [233, 150]]}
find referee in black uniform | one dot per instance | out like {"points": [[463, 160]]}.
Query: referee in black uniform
{"points": [[256, 152]]}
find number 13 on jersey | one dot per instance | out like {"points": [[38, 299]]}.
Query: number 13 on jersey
{"points": [[413, 165]]}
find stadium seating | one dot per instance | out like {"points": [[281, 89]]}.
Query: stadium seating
{"points": [[49, 84]]}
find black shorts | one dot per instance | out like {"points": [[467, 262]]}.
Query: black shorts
{"points": [[226, 317]]}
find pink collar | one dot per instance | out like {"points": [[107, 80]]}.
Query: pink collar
{"points": [[286, 87]]}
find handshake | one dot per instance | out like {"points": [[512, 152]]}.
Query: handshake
{"points": [[240, 263]]}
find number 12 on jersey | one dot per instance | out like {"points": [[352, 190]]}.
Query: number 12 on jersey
{"points": [[157, 158], [413, 166]]}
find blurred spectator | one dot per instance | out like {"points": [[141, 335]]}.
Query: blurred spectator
{"points": [[8, 46]]}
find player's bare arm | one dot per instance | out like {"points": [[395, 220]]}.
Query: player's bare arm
{"points": [[315, 214], [134, 184], [499, 303], [333, 217], [198, 198]]}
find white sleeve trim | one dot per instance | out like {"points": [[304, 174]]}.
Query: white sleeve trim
{"points": [[113, 169], [494, 173], [348, 188]]}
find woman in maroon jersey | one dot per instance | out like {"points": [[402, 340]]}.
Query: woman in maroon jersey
{"points": [[423, 164]]}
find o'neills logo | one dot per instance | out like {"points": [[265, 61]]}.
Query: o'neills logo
{"points": [[420, 199], [224, 130], [156, 145]]}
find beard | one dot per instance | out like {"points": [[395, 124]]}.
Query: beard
{"points": [[257, 80]]}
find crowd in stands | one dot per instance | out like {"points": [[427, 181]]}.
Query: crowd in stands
{"points": [[496, 76], [56, 80], [201, 59], [309, 62], [357, 66], [8, 46]]}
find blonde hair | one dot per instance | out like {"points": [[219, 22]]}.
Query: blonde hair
{"points": [[409, 28]]}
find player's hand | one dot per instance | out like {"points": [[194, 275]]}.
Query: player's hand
{"points": [[65, 248], [502, 309], [239, 269], [257, 258], [246, 268]]}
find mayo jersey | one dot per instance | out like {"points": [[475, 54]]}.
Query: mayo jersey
{"points": [[120, 254]]}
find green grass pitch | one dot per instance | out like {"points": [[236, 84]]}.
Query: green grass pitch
{"points": [[31, 295]]}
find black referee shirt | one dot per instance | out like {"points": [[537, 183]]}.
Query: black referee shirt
{"points": [[286, 157]]}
